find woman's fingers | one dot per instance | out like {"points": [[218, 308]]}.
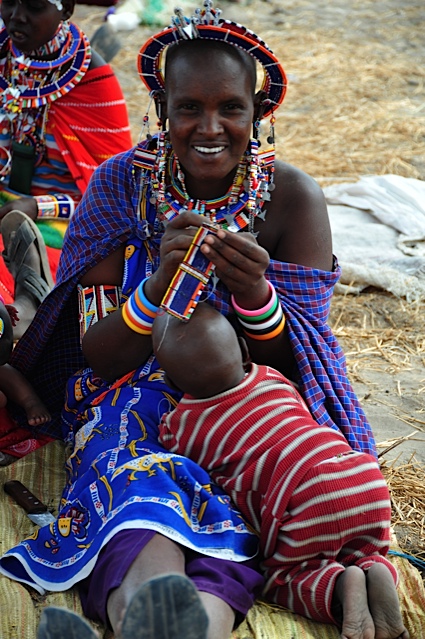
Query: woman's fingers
{"points": [[239, 261], [185, 220], [238, 258]]}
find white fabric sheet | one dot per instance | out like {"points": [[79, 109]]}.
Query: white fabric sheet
{"points": [[378, 229]]}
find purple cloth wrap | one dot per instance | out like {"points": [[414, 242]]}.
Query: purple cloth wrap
{"points": [[238, 584]]}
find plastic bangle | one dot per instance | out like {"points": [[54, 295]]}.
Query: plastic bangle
{"points": [[138, 312], [142, 301], [132, 322], [271, 335], [262, 326], [251, 320], [259, 311]]}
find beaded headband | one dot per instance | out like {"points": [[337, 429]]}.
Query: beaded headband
{"points": [[206, 24]]}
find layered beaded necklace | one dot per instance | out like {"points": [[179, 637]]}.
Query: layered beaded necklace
{"points": [[29, 84], [235, 210]]}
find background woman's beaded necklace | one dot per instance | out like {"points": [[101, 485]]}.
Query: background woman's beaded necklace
{"points": [[29, 84]]}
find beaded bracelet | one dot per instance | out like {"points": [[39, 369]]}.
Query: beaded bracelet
{"points": [[59, 206], [96, 302], [263, 323], [138, 312]]}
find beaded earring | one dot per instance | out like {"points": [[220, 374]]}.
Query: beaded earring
{"points": [[162, 121], [271, 136], [145, 132], [271, 140], [256, 130], [158, 173]]}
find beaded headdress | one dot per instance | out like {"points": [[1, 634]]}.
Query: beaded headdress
{"points": [[208, 25]]}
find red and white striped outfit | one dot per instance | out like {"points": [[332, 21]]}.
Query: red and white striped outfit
{"points": [[317, 504]]}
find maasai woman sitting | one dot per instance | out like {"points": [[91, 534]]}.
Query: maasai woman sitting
{"points": [[197, 211], [62, 113]]}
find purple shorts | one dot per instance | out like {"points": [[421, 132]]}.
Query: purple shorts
{"points": [[236, 583]]}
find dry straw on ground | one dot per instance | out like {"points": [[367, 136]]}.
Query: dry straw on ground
{"points": [[406, 483], [380, 333], [356, 82]]}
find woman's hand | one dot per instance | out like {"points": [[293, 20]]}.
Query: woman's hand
{"points": [[175, 242], [13, 313], [27, 205], [240, 264]]}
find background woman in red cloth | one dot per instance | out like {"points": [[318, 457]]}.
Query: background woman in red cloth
{"points": [[62, 113]]}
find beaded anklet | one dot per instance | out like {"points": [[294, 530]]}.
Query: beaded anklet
{"points": [[138, 312], [263, 323]]}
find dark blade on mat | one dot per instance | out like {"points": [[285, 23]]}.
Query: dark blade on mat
{"points": [[35, 509]]}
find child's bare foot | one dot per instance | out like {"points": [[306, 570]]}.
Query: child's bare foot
{"points": [[384, 604], [36, 411], [351, 593]]}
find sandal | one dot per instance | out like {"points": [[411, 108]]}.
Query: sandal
{"points": [[25, 233], [166, 607], [60, 623]]}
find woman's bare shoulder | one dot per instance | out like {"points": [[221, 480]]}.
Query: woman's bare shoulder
{"points": [[293, 184], [296, 227]]}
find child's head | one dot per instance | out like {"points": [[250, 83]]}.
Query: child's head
{"points": [[6, 334], [202, 357]]}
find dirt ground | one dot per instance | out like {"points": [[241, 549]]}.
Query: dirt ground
{"points": [[354, 106]]}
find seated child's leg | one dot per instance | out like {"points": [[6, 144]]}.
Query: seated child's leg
{"points": [[304, 586]]}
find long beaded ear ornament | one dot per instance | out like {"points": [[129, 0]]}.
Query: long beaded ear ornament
{"points": [[145, 133]]}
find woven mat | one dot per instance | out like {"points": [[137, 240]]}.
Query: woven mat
{"points": [[42, 472]]}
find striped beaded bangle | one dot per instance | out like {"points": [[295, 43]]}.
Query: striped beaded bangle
{"points": [[264, 323], [138, 312], [60, 206], [96, 302]]}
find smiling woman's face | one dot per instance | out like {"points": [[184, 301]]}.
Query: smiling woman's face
{"points": [[31, 23], [210, 107]]}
